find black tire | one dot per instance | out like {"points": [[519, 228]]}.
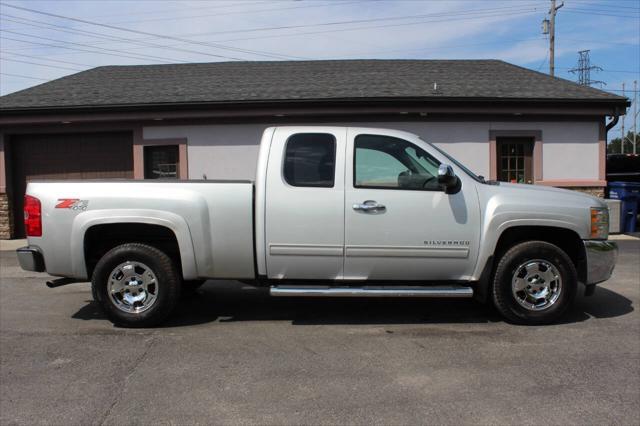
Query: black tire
{"points": [[504, 298], [168, 284]]}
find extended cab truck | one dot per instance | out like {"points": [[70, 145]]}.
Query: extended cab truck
{"points": [[334, 211]]}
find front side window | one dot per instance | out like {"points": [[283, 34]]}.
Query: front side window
{"points": [[390, 163], [310, 160]]}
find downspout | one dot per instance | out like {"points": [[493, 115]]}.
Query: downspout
{"points": [[612, 123]]}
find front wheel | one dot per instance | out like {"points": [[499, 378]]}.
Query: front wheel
{"points": [[136, 285], [534, 283]]}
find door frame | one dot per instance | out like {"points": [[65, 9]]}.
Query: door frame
{"points": [[434, 253]]}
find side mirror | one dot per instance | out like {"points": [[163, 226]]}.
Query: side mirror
{"points": [[448, 179]]}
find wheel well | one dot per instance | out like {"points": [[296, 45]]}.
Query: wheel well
{"points": [[99, 239], [569, 241]]}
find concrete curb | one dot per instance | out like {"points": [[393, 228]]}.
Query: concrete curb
{"points": [[625, 237]]}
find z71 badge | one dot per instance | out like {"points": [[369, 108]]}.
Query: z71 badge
{"points": [[72, 204]]}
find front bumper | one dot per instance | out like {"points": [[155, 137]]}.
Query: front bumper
{"points": [[601, 259], [30, 259]]}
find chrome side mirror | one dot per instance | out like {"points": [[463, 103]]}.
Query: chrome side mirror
{"points": [[448, 179]]}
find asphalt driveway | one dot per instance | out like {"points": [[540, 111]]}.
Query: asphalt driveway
{"points": [[232, 355]]}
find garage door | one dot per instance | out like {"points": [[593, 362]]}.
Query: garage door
{"points": [[67, 156]]}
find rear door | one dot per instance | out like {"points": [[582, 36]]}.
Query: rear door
{"points": [[304, 212]]}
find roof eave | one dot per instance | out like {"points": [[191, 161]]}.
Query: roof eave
{"points": [[443, 100]]}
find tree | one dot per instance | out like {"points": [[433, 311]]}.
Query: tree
{"points": [[614, 145]]}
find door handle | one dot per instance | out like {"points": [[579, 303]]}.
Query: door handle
{"points": [[369, 206]]}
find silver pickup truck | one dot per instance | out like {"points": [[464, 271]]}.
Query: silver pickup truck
{"points": [[334, 211]]}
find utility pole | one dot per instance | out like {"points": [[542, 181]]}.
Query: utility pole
{"points": [[635, 113], [552, 35], [622, 126]]}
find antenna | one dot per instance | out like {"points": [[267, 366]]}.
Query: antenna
{"points": [[584, 69]]}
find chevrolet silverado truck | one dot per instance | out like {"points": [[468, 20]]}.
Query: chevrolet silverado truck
{"points": [[334, 211]]}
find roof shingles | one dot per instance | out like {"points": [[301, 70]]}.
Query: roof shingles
{"points": [[246, 82]]}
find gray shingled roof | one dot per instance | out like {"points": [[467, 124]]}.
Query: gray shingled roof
{"points": [[249, 82]]}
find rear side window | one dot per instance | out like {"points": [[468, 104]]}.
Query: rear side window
{"points": [[310, 160]]}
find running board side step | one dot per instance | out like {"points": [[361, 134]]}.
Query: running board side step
{"points": [[371, 291]]}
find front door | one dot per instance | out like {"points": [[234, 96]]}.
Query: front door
{"points": [[399, 223], [515, 160]]}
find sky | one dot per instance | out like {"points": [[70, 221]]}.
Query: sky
{"points": [[57, 38]]}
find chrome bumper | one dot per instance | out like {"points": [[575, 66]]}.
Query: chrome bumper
{"points": [[30, 259], [601, 259]]}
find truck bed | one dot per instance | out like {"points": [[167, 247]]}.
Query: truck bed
{"points": [[212, 221]]}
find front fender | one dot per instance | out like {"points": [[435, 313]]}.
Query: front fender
{"points": [[494, 229]]}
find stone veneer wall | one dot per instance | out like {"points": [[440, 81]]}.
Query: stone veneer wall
{"points": [[6, 218], [596, 191]]}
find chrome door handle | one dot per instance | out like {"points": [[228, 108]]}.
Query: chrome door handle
{"points": [[369, 206]]}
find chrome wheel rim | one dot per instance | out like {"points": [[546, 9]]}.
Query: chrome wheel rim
{"points": [[536, 284], [133, 287]]}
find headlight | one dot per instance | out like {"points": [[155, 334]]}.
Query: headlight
{"points": [[599, 223]]}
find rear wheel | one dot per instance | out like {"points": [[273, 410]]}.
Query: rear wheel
{"points": [[136, 285], [534, 283]]}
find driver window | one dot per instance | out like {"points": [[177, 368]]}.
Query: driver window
{"points": [[390, 163]]}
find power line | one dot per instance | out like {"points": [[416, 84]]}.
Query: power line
{"points": [[94, 34], [617, 5], [361, 21], [493, 14], [45, 59], [154, 12], [239, 12], [490, 11], [587, 12], [144, 44], [544, 61], [605, 70], [84, 45], [59, 28], [525, 7], [404, 24], [606, 42], [451, 46], [603, 7], [113, 27], [82, 50], [23, 76], [41, 65], [431, 21]]}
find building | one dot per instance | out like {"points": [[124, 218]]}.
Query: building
{"points": [[203, 121]]}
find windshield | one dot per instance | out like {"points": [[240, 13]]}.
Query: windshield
{"points": [[457, 163]]}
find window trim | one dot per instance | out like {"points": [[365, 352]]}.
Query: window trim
{"points": [[335, 159], [147, 149], [537, 151], [440, 188], [138, 154]]}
